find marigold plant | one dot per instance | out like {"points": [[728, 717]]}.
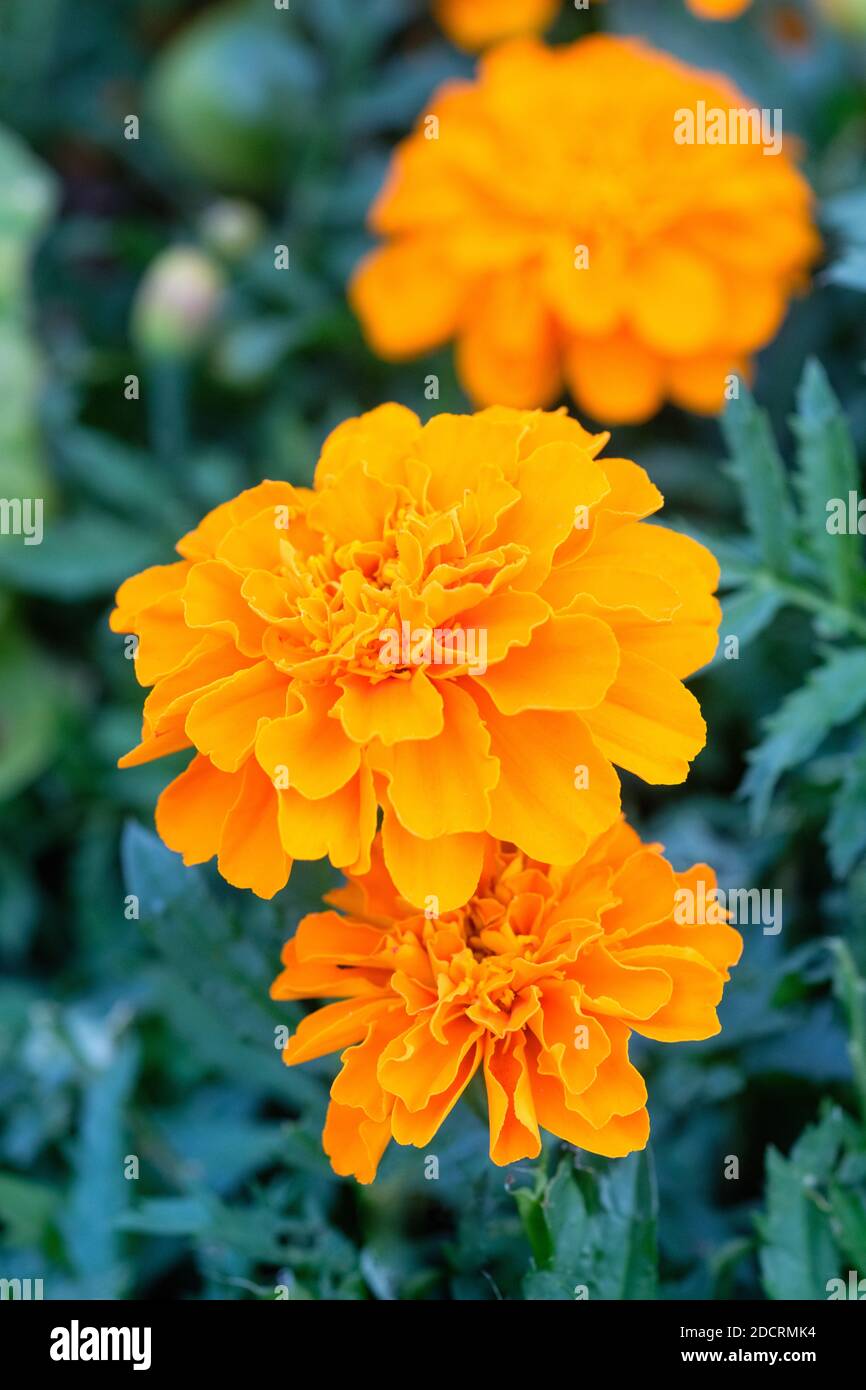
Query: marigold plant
{"points": [[538, 982], [553, 219], [465, 623]]}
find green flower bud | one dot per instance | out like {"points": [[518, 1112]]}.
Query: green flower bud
{"points": [[231, 228], [177, 302]]}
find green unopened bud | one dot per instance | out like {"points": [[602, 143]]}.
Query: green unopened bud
{"points": [[231, 228], [176, 303]]}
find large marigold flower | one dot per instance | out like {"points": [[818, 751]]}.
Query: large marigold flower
{"points": [[545, 217], [465, 623], [539, 981], [474, 24]]}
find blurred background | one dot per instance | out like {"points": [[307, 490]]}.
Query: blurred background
{"points": [[154, 154]]}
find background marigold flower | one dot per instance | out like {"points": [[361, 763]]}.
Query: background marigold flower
{"points": [[264, 647], [553, 227], [718, 9], [474, 24], [538, 982]]}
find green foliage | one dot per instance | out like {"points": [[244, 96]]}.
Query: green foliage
{"points": [[815, 1217], [795, 556], [592, 1233]]}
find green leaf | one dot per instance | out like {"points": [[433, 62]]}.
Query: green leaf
{"points": [[757, 468], [745, 614], [113, 473], [219, 966], [30, 713], [845, 831], [80, 557], [798, 1253], [826, 469], [849, 271], [601, 1232], [100, 1191], [848, 1220], [27, 1209], [833, 695], [850, 989]]}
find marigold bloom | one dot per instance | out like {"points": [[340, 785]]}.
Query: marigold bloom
{"points": [[473, 24], [269, 647], [539, 980], [718, 9], [555, 228]]}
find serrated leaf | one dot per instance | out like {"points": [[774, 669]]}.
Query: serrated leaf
{"points": [[799, 1254], [848, 1220], [845, 831], [826, 469], [850, 990], [601, 1231], [745, 614], [846, 215], [758, 470], [832, 696], [99, 1191], [219, 965], [849, 271]]}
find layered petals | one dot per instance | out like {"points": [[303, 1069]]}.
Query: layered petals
{"points": [[459, 631], [533, 987], [560, 221]]}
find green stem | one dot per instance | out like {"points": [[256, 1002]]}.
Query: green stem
{"points": [[812, 602]]}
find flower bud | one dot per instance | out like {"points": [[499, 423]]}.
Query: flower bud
{"points": [[176, 303], [231, 228]]}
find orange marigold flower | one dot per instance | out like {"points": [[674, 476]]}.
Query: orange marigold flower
{"points": [[465, 623], [546, 218], [474, 24], [718, 9], [540, 980]]}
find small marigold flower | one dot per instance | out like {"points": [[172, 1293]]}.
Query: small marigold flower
{"points": [[538, 981], [473, 24], [465, 624], [558, 220]]}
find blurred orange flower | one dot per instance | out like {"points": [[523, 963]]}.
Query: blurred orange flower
{"points": [[546, 218], [473, 24], [718, 9], [465, 623], [539, 981]]}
